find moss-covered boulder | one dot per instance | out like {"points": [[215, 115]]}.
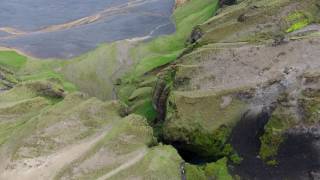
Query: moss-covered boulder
{"points": [[201, 122], [216, 170], [297, 109]]}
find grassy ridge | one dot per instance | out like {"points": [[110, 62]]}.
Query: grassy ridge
{"points": [[12, 60], [160, 51], [166, 49], [30, 69], [93, 71], [96, 72]]}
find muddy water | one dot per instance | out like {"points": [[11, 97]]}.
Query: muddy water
{"points": [[67, 28]]}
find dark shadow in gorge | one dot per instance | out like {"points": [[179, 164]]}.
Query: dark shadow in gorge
{"points": [[246, 130], [192, 157], [243, 138], [297, 156]]}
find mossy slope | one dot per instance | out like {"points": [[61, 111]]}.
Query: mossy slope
{"points": [[37, 126], [202, 121]]}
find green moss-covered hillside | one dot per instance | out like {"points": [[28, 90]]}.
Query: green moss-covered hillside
{"points": [[232, 94]]}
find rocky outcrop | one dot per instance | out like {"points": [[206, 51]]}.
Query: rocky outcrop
{"points": [[46, 88], [298, 112], [7, 79], [257, 59], [257, 84], [161, 93], [201, 122], [196, 34], [256, 21], [227, 2]]}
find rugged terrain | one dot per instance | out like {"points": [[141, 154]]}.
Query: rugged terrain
{"points": [[234, 93]]}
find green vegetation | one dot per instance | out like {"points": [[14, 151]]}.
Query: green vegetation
{"points": [[138, 96], [161, 162], [12, 60], [23, 102], [195, 172], [56, 125], [272, 138], [31, 89], [96, 71], [144, 108], [298, 20], [283, 118], [32, 125], [151, 63], [30, 69], [42, 116], [310, 104], [36, 69], [165, 49], [158, 52], [141, 93], [198, 120], [208, 144], [233, 156], [142, 102], [7, 78], [14, 115], [217, 170]]}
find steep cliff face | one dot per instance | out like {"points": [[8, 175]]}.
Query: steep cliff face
{"points": [[254, 62]]}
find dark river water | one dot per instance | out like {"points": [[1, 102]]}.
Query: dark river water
{"points": [[67, 28]]}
